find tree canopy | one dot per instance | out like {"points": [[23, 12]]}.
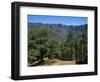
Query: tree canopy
{"points": [[43, 47]]}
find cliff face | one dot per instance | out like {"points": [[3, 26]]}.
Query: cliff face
{"points": [[59, 30]]}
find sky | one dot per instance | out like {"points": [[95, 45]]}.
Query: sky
{"points": [[65, 20]]}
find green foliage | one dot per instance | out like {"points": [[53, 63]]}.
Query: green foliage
{"points": [[43, 47], [83, 46], [33, 55]]}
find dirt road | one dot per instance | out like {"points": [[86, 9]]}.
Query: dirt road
{"points": [[62, 62]]}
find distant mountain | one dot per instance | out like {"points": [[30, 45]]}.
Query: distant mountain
{"points": [[59, 30]]}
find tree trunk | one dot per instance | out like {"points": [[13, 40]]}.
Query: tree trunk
{"points": [[41, 56]]}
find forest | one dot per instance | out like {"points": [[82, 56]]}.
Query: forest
{"points": [[47, 44]]}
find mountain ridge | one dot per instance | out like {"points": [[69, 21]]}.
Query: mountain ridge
{"points": [[60, 30]]}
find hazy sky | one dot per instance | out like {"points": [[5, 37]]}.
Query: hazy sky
{"points": [[66, 20]]}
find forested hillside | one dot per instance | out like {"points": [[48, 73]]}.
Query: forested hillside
{"points": [[59, 30], [51, 43]]}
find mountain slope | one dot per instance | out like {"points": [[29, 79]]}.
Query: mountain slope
{"points": [[59, 30]]}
